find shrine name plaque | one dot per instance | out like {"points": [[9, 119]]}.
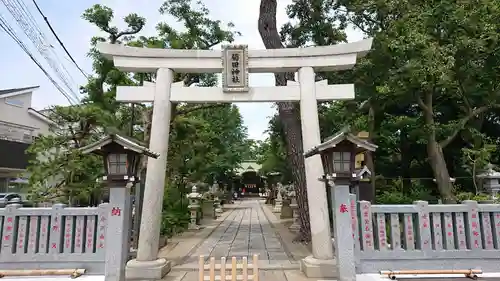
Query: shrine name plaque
{"points": [[235, 64]]}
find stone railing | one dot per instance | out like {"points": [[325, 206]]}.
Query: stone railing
{"points": [[54, 238], [423, 236]]}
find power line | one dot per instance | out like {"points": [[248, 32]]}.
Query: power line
{"points": [[8, 29], [59, 40], [31, 29], [34, 24], [28, 24]]}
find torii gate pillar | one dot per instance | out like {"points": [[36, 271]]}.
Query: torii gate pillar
{"points": [[147, 265], [164, 61]]}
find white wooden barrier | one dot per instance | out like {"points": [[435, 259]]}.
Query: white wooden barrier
{"points": [[237, 271]]}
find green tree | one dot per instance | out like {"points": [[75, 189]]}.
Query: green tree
{"points": [[207, 143], [424, 92], [476, 159], [60, 171], [218, 126], [426, 87], [272, 152], [439, 57]]}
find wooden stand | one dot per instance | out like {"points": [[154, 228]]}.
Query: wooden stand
{"points": [[236, 267]]}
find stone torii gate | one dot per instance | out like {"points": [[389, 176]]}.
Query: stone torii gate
{"points": [[235, 63]]}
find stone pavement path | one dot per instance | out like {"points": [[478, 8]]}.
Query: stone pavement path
{"points": [[245, 231]]}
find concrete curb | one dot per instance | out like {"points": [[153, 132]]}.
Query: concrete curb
{"points": [[296, 251]]}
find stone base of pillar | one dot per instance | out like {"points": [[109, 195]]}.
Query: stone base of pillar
{"points": [[286, 212], [315, 268], [192, 226], [147, 270], [295, 225], [277, 207]]}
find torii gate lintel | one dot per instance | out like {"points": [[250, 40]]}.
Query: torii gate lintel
{"points": [[291, 92]]}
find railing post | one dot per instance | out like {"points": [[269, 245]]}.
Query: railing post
{"points": [[56, 229], [355, 226], [9, 231], [344, 241], [117, 231], [366, 233], [424, 228], [473, 227]]}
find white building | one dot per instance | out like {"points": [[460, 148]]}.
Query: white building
{"points": [[20, 124]]}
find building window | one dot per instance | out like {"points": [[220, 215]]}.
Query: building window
{"points": [[14, 102], [342, 162]]}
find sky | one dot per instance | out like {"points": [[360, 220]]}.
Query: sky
{"points": [[18, 70]]}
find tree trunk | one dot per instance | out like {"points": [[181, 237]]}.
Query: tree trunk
{"points": [[435, 152], [441, 174], [293, 134], [289, 116]]}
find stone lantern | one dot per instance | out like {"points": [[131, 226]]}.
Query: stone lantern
{"points": [[121, 158], [272, 179], [295, 212], [217, 207], [194, 206], [338, 154], [491, 182], [279, 199]]}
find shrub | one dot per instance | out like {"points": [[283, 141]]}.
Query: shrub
{"points": [[393, 194], [175, 215], [476, 197]]}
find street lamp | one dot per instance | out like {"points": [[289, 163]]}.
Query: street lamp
{"points": [[121, 158]]}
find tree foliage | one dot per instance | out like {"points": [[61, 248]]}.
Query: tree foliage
{"points": [[207, 141], [427, 92], [272, 152]]}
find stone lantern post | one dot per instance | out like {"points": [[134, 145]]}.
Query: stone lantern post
{"points": [[194, 205], [338, 154], [121, 157]]}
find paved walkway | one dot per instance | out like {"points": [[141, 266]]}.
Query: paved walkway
{"points": [[246, 228], [244, 232]]}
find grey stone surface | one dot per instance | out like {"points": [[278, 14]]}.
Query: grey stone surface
{"points": [[245, 232], [315, 268]]}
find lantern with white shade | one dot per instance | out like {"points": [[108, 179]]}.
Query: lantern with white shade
{"points": [[338, 154], [121, 156]]}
